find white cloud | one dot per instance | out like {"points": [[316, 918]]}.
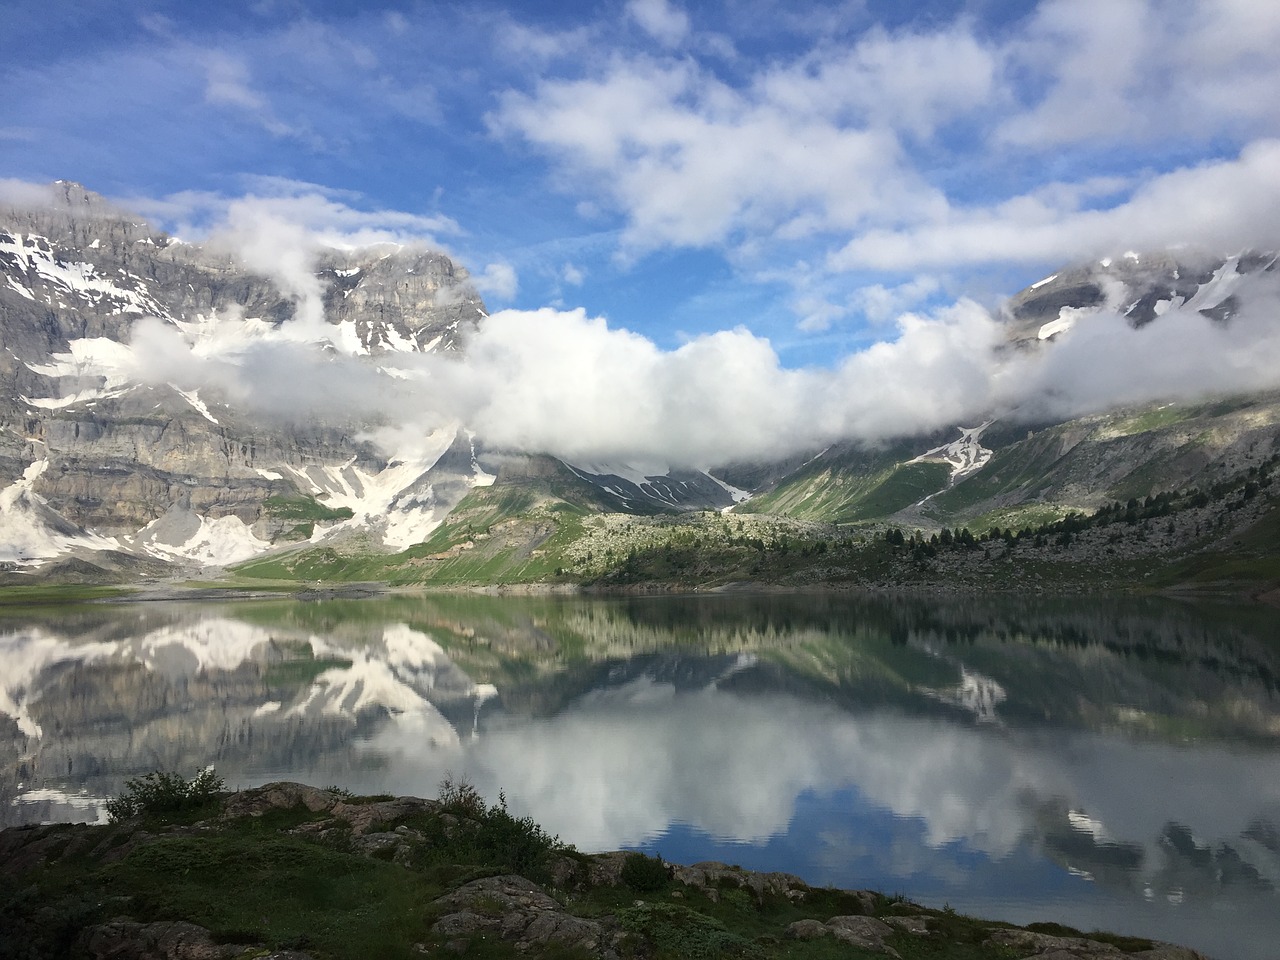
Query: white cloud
{"points": [[573, 275], [329, 216], [880, 303], [1138, 70], [498, 280], [1102, 362], [816, 314], [907, 81], [1222, 205], [663, 21], [227, 84], [693, 162]]}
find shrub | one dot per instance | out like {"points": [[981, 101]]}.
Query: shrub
{"points": [[645, 874], [496, 839], [672, 930], [164, 793]]}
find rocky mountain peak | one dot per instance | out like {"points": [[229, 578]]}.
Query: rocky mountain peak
{"points": [[1138, 287]]}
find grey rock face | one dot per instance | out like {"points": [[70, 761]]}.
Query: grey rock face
{"points": [[1138, 287], [518, 910], [76, 269]]}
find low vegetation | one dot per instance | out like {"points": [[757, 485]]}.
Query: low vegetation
{"points": [[333, 876], [161, 794]]}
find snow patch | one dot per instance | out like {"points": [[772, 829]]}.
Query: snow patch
{"points": [[386, 498], [193, 397], [34, 255], [1040, 283], [214, 542], [738, 495], [31, 530], [966, 455]]}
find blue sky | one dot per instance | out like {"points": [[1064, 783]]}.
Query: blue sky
{"points": [[809, 172]]}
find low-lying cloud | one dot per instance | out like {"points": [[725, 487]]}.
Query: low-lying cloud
{"points": [[564, 383]]}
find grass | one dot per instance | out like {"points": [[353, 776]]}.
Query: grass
{"points": [[283, 890], [301, 672], [906, 484], [56, 594], [264, 881], [306, 509]]}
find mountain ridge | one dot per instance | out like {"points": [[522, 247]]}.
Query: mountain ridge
{"points": [[109, 448]]}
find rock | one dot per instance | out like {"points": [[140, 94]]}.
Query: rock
{"points": [[867, 900], [605, 869], [868, 933], [172, 940], [361, 817], [517, 910], [709, 875], [371, 844], [807, 930], [279, 796], [364, 816], [1047, 947], [1167, 951], [917, 925]]}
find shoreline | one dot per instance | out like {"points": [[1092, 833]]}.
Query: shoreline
{"points": [[476, 876]]}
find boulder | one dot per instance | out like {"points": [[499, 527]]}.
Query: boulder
{"points": [[867, 933], [710, 875], [171, 940], [517, 910]]}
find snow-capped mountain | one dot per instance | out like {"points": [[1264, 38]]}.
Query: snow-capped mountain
{"points": [[1140, 288], [112, 454], [96, 456]]}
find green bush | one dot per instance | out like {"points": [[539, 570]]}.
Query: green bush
{"points": [[645, 874], [672, 931], [491, 837], [164, 793]]}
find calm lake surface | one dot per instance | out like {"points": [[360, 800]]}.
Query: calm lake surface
{"points": [[1101, 764]]}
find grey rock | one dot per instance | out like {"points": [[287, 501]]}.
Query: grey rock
{"points": [[1031, 944], [519, 911], [709, 875], [363, 817], [867, 933], [917, 925], [283, 795], [173, 940], [121, 461], [807, 930]]}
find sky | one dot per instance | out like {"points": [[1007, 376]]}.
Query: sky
{"points": [[822, 179]]}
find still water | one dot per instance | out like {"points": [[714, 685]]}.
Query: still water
{"points": [[1104, 765]]}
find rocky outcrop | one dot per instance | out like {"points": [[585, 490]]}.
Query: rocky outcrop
{"points": [[77, 275], [169, 940], [518, 911], [865, 933], [711, 876], [532, 918]]}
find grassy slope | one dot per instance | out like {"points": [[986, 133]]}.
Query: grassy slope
{"points": [[852, 485], [511, 532], [256, 882]]}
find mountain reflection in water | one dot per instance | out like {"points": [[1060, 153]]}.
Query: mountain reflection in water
{"points": [[1116, 766]]}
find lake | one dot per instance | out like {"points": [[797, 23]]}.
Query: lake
{"points": [[1103, 764]]}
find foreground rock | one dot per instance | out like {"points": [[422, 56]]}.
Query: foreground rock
{"points": [[289, 871]]}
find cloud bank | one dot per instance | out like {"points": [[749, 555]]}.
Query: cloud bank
{"points": [[565, 383]]}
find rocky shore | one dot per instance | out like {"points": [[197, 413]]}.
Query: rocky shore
{"points": [[290, 871]]}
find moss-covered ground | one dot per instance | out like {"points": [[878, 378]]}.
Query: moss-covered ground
{"points": [[291, 877]]}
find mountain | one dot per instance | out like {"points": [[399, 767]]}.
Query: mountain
{"points": [[1026, 465], [117, 463], [96, 457]]}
